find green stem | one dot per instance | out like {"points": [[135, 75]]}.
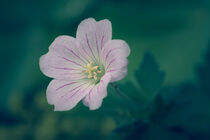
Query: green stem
{"points": [[121, 94]]}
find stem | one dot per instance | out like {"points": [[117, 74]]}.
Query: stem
{"points": [[121, 94]]}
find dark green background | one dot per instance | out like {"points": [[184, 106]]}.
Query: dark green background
{"points": [[176, 32]]}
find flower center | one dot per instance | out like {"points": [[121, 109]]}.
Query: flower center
{"points": [[93, 71]]}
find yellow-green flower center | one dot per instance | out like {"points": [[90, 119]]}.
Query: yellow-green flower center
{"points": [[93, 72]]}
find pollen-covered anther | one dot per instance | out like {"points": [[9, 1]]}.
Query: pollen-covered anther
{"points": [[90, 76], [95, 75], [92, 71]]}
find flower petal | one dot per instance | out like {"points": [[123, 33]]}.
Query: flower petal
{"points": [[59, 67], [64, 60], [93, 35], [67, 46], [96, 94], [114, 56], [66, 94]]}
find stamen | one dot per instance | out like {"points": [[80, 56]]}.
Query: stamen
{"points": [[95, 78], [92, 71], [95, 68], [90, 76], [98, 71]]}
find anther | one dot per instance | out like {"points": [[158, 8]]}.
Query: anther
{"points": [[92, 71], [98, 71]]}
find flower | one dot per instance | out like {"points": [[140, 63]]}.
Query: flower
{"points": [[83, 66]]}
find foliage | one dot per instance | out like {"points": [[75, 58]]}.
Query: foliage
{"points": [[179, 112], [174, 105], [172, 112]]}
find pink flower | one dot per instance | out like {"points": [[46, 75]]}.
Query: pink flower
{"points": [[82, 67]]}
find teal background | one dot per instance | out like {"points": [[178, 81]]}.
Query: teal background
{"points": [[175, 32]]}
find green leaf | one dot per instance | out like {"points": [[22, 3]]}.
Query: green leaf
{"points": [[129, 89], [203, 72], [131, 126], [149, 76]]}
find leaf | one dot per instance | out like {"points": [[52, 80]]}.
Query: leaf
{"points": [[131, 126], [149, 76], [8, 119], [129, 89], [203, 72], [154, 132], [146, 130]]}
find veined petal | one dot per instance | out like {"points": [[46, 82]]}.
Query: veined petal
{"points": [[93, 36], [66, 46], [66, 94], [96, 94], [60, 67], [114, 56]]}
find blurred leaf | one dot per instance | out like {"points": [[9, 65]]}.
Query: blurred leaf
{"points": [[129, 127], [135, 101], [149, 76], [203, 71], [147, 131], [129, 89], [154, 132], [178, 112], [8, 119]]}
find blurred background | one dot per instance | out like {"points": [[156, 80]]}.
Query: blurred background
{"points": [[171, 81]]}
